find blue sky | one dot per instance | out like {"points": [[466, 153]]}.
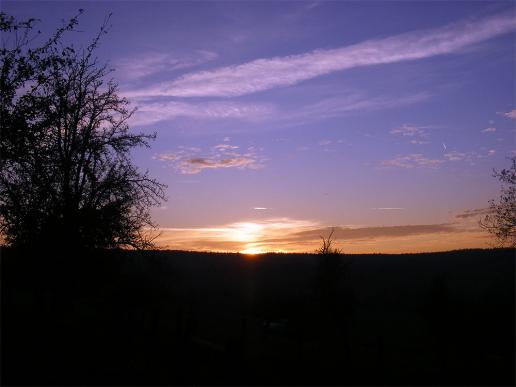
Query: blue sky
{"points": [[276, 120]]}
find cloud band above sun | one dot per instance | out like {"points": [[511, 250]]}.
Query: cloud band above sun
{"points": [[290, 235]]}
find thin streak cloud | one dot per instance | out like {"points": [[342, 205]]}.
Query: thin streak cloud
{"points": [[388, 208], [267, 73], [152, 112], [415, 160], [149, 63], [474, 213], [339, 106]]}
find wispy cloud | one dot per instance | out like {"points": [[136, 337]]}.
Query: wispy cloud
{"points": [[260, 208], [489, 130], [152, 112], [301, 9], [409, 130], [415, 160], [197, 164], [348, 233], [153, 62], [418, 142], [511, 114], [341, 105], [325, 142], [474, 213], [455, 156], [225, 147], [388, 208], [468, 156], [267, 73], [417, 134], [338, 105], [191, 160]]}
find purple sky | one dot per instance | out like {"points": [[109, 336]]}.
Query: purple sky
{"points": [[276, 120]]}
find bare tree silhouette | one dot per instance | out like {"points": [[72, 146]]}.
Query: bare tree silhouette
{"points": [[501, 221], [66, 176], [328, 244]]}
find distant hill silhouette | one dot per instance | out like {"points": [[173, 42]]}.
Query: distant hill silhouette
{"points": [[185, 318]]}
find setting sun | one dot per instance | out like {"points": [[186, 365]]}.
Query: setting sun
{"points": [[252, 251]]}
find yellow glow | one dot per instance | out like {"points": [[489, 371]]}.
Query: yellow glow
{"points": [[252, 251], [244, 232]]}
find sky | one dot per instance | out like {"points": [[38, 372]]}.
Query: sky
{"points": [[277, 121]]}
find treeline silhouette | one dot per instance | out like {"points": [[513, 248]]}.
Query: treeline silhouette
{"points": [[111, 317]]}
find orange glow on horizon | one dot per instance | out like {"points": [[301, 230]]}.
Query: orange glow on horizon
{"points": [[252, 251], [297, 236]]}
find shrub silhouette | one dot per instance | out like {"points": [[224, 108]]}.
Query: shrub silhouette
{"points": [[66, 176]]}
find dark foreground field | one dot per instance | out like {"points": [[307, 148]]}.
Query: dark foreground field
{"points": [[163, 318]]}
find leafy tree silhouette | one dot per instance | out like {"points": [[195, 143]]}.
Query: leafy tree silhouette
{"points": [[66, 176], [501, 221]]}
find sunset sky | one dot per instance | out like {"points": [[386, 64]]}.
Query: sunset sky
{"points": [[279, 120]]}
